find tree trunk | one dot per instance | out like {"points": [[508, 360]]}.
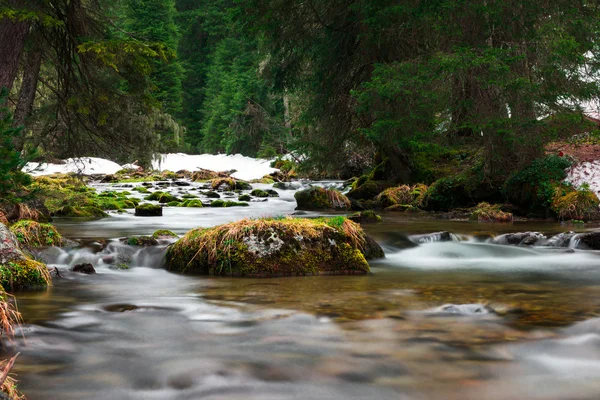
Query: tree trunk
{"points": [[397, 167], [12, 42], [31, 72]]}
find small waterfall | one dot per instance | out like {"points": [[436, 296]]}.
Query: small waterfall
{"points": [[435, 237], [574, 241]]}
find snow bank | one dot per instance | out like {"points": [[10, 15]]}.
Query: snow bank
{"points": [[586, 172], [247, 168], [84, 166]]}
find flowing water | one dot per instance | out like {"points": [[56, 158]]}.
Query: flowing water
{"points": [[440, 320]]}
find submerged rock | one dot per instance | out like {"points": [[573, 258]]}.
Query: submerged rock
{"points": [[520, 239], [85, 268], [318, 198], [365, 217], [144, 241], [274, 247]]}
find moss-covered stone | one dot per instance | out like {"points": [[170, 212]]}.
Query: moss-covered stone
{"points": [[33, 234], [24, 274], [222, 203], [211, 194], [162, 197], [244, 197], [318, 198], [365, 217], [192, 203], [164, 234], [259, 193], [143, 241], [272, 247], [368, 190], [141, 189], [229, 184], [80, 212], [148, 210]]}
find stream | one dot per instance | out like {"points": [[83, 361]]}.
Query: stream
{"points": [[463, 319]]}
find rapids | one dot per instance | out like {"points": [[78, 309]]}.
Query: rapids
{"points": [[462, 319]]}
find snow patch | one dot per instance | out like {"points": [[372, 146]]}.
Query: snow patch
{"points": [[247, 168], [585, 173]]}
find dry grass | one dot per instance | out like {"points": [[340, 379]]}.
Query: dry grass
{"points": [[8, 384], [337, 199], [404, 195], [27, 213], [419, 192], [575, 204], [3, 219], [9, 315], [485, 212], [215, 183], [35, 234]]}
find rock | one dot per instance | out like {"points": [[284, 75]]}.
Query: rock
{"points": [[372, 250], [272, 193], [443, 236], [588, 241], [17, 271], [182, 183], [462, 309], [244, 197], [521, 238], [365, 217], [164, 234], [259, 193], [32, 234], [143, 241], [271, 247], [286, 186], [211, 194], [85, 268], [222, 203], [560, 240], [162, 197], [148, 210], [369, 190], [318, 198]]}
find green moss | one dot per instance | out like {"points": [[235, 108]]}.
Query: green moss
{"points": [[175, 204], [80, 212], [141, 189], [244, 197], [365, 217], [221, 203], [162, 197], [259, 193], [24, 274], [448, 193], [192, 203], [33, 234], [368, 190], [143, 241], [211, 195], [164, 233]]}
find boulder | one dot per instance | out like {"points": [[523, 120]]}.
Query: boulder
{"points": [[17, 271], [588, 240], [369, 190], [85, 268], [143, 241], [520, 238], [363, 217], [273, 247], [443, 236], [148, 210], [318, 198]]}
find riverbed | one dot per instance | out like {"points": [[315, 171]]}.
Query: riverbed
{"points": [[531, 329]]}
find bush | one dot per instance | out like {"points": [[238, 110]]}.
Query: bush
{"points": [[485, 212], [571, 204], [533, 188], [446, 194]]}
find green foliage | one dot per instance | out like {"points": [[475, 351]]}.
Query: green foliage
{"points": [[533, 188], [447, 193], [11, 179], [34, 234]]}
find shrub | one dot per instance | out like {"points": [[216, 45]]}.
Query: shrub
{"points": [[569, 203], [485, 212], [533, 188]]}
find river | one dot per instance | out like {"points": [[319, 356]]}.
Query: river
{"points": [[531, 330]]}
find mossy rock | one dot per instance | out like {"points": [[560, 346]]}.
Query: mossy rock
{"points": [[189, 196], [24, 274], [148, 210], [318, 198], [141, 189], [259, 193], [33, 234], [192, 203], [222, 203], [365, 217], [402, 208], [80, 212], [164, 234], [446, 194], [229, 184], [244, 197], [272, 247], [211, 194], [162, 197], [143, 241], [368, 190]]}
